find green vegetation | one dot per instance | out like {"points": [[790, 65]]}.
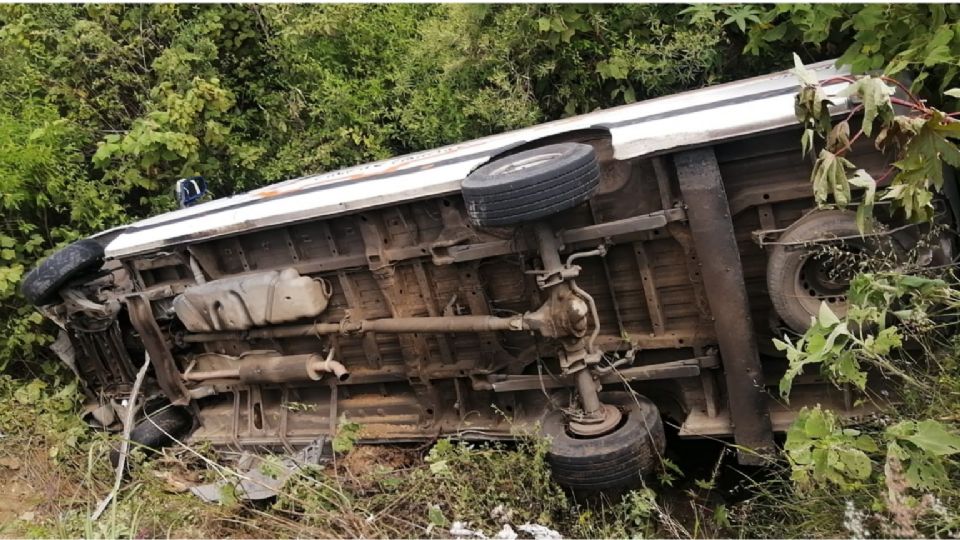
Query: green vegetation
{"points": [[896, 475], [383, 492], [102, 107]]}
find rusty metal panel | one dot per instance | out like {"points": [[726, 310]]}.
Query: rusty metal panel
{"points": [[713, 235]]}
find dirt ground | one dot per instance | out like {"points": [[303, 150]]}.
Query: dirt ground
{"points": [[35, 490], [18, 498]]}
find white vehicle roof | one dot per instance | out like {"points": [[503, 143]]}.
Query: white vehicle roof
{"points": [[644, 128]]}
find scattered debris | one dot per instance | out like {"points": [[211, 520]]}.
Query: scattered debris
{"points": [[502, 513], [178, 481], [459, 529], [259, 478], [853, 521], [539, 532]]}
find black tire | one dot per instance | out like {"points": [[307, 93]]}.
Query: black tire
{"points": [[531, 185], [41, 285], [610, 462], [795, 274], [158, 430]]}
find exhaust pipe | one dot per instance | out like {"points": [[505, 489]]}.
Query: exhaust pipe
{"points": [[277, 369], [316, 367]]}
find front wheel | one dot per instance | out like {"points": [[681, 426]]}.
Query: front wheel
{"points": [[42, 284]]}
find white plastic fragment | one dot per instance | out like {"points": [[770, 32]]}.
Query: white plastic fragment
{"points": [[539, 532], [459, 529]]}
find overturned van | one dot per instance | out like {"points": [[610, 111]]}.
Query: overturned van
{"points": [[599, 276]]}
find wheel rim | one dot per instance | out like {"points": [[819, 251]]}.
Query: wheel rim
{"points": [[824, 276], [526, 163]]}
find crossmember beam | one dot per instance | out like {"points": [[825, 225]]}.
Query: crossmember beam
{"points": [[701, 187]]}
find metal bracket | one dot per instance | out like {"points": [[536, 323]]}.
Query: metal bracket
{"points": [[164, 366], [455, 232]]}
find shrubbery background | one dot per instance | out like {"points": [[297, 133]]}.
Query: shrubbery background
{"points": [[103, 107]]}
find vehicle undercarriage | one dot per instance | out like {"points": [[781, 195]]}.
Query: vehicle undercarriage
{"points": [[417, 322]]}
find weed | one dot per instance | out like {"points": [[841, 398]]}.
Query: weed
{"points": [[893, 476]]}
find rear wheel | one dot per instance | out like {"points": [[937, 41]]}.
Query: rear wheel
{"points": [[531, 185], [615, 460]]}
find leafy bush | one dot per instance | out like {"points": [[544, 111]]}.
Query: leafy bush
{"points": [[866, 37], [901, 465]]}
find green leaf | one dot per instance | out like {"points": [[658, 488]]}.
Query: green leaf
{"points": [[806, 76], [439, 467], [740, 15], [806, 141], [875, 95], [921, 167], [939, 55], [826, 316], [347, 434], [866, 443], [228, 495], [845, 368], [861, 179], [701, 12], [776, 33], [953, 92], [704, 484], [932, 436], [830, 178], [817, 425], [896, 66], [856, 463], [436, 517], [885, 341]]}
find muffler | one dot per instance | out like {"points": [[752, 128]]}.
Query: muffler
{"points": [[277, 369]]}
